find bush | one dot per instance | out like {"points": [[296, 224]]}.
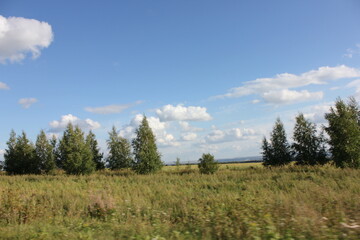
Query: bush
{"points": [[207, 164]]}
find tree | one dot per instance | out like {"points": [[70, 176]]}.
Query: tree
{"points": [[278, 152], [207, 164], [10, 163], [177, 162], [56, 152], [20, 155], [75, 153], [119, 151], [267, 153], [309, 148], [344, 132], [44, 153], [97, 156], [147, 157]]}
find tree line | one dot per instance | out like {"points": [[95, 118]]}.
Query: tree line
{"points": [[77, 153], [310, 147]]}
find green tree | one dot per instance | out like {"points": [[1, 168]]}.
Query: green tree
{"points": [[119, 151], [344, 132], [177, 162], [147, 158], [267, 153], [207, 164], [308, 147], [44, 153], [75, 154], [10, 163], [278, 151], [56, 152], [95, 150], [20, 155]]}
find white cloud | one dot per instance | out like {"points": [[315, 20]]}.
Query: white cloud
{"points": [[255, 101], [287, 81], [286, 96], [350, 52], [2, 152], [181, 113], [27, 102], [355, 84], [110, 109], [229, 135], [188, 136], [58, 126], [163, 138], [3, 86], [21, 36], [316, 113], [185, 126]]}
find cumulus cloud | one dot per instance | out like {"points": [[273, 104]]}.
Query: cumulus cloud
{"points": [[185, 126], [188, 136], [181, 113], [163, 138], [229, 135], [3, 86], [316, 113], [286, 96], [355, 84], [27, 102], [286, 81], [60, 125], [21, 36], [2, 152], [111, 109]]}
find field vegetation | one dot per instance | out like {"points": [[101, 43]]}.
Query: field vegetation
{"points": [[237, 202]]}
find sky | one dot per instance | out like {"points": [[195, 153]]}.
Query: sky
{"points": [[211, 76]]}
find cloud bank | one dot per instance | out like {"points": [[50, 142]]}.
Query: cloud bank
{"points": [[276, 90], [21, 36]]}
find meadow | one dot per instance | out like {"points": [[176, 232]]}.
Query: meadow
{"points": [[237, 202]]}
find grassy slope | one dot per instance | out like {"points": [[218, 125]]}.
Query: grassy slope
{"points": [[236, 202]]}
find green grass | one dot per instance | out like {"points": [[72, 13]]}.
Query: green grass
{"points": [[237, 202]]}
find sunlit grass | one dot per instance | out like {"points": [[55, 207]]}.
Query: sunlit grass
{"points": [[238, 202]]}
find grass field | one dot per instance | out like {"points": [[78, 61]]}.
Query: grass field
{"points": [[238, 202]]}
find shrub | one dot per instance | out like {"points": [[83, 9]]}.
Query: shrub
{"points": [[207, 164]]}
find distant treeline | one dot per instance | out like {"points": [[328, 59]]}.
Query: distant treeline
{"points": [[311, 147], [77, 153]]}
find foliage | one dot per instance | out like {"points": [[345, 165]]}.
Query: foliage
{"points": [[344, 131], [309, 147], [55, 145], [75, 153], [207, 164], [278, 151], [177, 162], [318, 202], [44, 152], [147, 158], [97, 156], [20, 155], [119, 151]]}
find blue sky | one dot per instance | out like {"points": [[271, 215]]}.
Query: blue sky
{"points": [[212, 76]]}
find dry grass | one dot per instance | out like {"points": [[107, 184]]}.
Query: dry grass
{"points": [[236, 202]]}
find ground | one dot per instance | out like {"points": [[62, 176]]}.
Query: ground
{"points": [[240, 201]]}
